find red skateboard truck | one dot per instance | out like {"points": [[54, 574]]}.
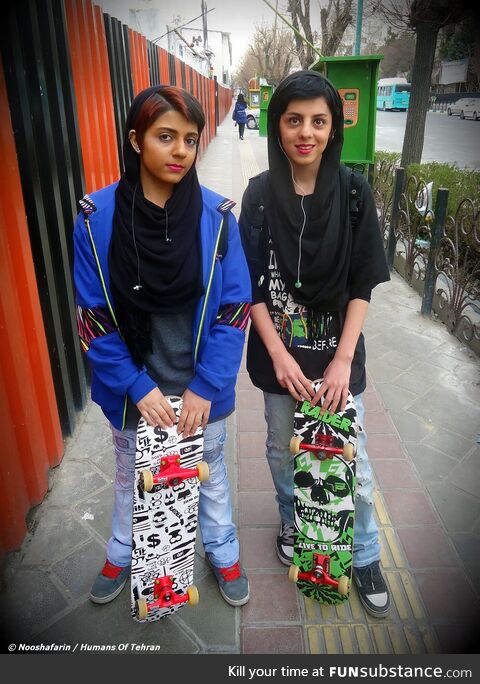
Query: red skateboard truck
{"points": [[164, 597], [323, 447], [171, 473], [320, 574]]}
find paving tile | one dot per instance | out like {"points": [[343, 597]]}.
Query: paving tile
{"points": [[57, 534], [458, 511], [78, 570], [409, 508], [410, 427], [285, 640], [251, 444], [447, 595], [395, 398], [74, 476], [244, 382], [371, 401], [427, 547], [258, 551], [431, 464], [273, 598], [385, 446], [395, 474], [250, 399], [378, 422], [450, 409], [450, 443], [466, 475], [251, 420], [258, 508], [31, 602], [254, 473], [468, 548]]}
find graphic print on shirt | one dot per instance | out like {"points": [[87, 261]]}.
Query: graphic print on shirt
{"points": [[291, 319]]}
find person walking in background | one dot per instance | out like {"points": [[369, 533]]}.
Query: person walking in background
{"points": [[312, 273], [239, 114], [161, 312]]}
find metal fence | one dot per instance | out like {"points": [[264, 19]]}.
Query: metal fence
{"points": [[68, 73], [437, 254]]}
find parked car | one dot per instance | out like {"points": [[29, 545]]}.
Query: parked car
{"points": [[253, 116], [466, 108]]}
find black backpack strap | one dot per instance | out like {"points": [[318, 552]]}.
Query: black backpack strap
{"points": [[355, 198]]}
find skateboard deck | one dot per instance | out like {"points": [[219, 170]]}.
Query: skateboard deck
{"points": [[324, 449], [168, 471]]}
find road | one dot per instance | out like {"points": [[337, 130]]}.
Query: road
{"points": [[447, 138]]}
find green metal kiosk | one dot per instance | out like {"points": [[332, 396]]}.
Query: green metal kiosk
{"points": [[266, 92], [355, 77]]}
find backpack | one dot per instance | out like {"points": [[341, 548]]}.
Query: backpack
{"points": [[251, 242]]}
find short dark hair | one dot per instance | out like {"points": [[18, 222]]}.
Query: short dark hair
{"points": [[164, 100]]}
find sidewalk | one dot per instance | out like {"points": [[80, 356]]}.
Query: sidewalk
{"points": [[423, 420]]}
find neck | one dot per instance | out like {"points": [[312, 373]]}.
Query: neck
{"points": [[306, 177], [157, 193]]}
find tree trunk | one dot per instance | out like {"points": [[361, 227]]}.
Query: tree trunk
{"points": [[426, 42]]}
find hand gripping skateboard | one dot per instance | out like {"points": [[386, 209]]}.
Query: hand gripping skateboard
{"points": [[324, 449], [168, 472]]}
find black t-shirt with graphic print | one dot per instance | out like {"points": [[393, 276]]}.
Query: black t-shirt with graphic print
{"points": [[291, 323]]}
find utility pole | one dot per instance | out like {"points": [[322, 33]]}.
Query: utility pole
{"points": [[358, 28]]}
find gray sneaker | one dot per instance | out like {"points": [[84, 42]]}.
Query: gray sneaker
{"points": [[109, 583], [232, 582], [285, 543]]}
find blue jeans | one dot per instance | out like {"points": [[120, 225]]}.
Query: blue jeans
{"points": [[279, 412], [214, 512]]}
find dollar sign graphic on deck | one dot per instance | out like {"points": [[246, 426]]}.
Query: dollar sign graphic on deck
{"points": [[153, 540]]}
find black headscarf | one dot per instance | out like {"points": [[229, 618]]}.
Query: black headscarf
{"points": [[327, 242], [154, 258]]}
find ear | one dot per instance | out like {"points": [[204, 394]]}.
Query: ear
{"points": [[132, 136]]}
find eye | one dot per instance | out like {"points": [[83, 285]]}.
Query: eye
{"points": [[293, 120], [165, 137], [191, 142], [319, 122]]}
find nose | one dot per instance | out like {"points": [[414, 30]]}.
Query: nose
{"points": [[181, 149], [306, 130]]}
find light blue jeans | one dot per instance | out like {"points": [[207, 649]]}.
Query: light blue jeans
{"points": [[279, 412], [214, 511]]}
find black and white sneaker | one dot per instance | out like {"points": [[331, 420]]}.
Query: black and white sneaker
{"points": [[285, 543], [372, 589]]}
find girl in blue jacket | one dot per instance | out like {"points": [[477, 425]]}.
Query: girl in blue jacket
{"points": [[162, 312], [240, 115]]}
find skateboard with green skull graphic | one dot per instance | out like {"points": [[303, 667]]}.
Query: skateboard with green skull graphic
{"points": [[324, 449]]}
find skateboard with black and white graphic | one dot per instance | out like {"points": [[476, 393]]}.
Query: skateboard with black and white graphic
{"points": [[168, 472], [324, 449]]}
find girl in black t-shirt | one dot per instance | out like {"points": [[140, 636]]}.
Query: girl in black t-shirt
{"points": [[312, 276]]}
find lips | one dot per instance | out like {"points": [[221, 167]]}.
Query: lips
{"points": [[176, 168], [304, 149]]}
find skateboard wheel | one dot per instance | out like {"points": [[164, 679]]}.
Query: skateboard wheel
{"points": [[343, 585], [141, 609], [293, 573], [295, 444], [348, 452], [146, 480], [193, 596], [203, 471]]}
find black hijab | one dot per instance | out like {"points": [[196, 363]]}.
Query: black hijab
{"points": [[154, 258], [326, 242]]}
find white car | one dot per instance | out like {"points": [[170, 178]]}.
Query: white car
{"points": [[466, 108], [253, 116]]}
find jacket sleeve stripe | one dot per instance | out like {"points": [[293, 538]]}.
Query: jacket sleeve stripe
{"points": [[235, 315], [93, 323]]}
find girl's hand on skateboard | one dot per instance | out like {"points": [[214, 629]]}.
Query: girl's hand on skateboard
{"points": [[156, 410], [195, 412], [334, 387], [289, 375]]}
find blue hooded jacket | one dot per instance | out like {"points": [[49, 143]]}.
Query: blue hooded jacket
{"points": [[240, 112], [220, 318]]}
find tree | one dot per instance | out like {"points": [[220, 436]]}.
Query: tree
{"points": [[425, 18], [335, 18], [271, 55], [398, 53]]}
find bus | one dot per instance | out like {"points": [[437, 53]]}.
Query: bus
{"points": [[393, 93]]}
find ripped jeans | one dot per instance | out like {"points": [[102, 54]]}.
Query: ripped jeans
{"points": [[279, 411], [214, 508]]}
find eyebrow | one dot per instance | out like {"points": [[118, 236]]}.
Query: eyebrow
{"points": [[174, 130], [313, 116]]}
